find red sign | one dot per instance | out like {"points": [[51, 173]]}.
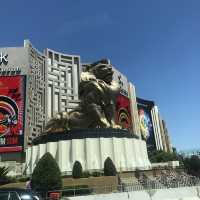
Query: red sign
{"points": [[12, 101], [123, 112]]}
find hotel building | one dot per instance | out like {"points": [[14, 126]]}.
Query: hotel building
{"points": [[35, 86], [151, 123]]}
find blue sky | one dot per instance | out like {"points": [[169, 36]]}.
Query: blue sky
{"points": [[155, 43]]}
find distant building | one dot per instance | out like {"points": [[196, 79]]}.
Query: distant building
{"points": [[146, 123], [163, 136], [153, 126], [157, 128], [167, 138]]}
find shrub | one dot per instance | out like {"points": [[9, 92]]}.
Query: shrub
{"points": [[85, 174], [46, 175], [96, 174], [137, 173], [161, 156], [4, 179], [109, 168], [77, 171]]}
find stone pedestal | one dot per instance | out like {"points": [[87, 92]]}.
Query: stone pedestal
{"points": [[90, 147]]}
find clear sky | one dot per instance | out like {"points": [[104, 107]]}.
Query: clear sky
{"points": [[155, 43]]}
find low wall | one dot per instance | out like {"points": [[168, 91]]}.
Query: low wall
{"points": [[185, 193], [92, 181]]}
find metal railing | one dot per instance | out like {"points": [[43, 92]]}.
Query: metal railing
{"points": [[153, 184], [124, 187]]}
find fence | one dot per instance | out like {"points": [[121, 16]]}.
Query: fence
{"points": [[147, 185]]}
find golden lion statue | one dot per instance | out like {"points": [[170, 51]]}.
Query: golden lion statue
{"points": [[97, 92]]}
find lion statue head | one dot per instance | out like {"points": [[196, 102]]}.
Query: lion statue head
{"points": [[101, 70]]}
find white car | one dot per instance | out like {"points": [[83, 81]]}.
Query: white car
{"points": [[18, 194]]}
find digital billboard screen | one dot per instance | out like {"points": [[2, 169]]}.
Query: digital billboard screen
{"points": [[12, 107], [123, 112], [145, 120]]}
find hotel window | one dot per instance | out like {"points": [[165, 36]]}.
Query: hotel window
{"points": [[56, 102], [56, 57], [63, 103], [49, 110], [69, 78], [51, 58]]}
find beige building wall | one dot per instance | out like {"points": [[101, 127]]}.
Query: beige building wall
{"points": [[167, 138], [134, 110], [156, 127], [36, 92], [162, 135], [63, 77]]}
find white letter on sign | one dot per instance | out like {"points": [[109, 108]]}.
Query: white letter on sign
{"points": [[3, 58]]}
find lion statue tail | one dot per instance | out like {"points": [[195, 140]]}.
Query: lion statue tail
{"points": [[59, 123]]}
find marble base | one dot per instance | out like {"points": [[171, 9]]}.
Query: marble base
{"points": [[126, 153]]}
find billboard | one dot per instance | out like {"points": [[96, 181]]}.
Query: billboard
{"points": [[123, 112], [12, 107], [145, 120]]}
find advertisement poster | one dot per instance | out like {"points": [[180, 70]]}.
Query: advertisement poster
{"points": [[123, 116], [12, 103], [145, 120]]}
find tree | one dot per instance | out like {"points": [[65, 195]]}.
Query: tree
{"points": [[77, 170], [109, 168], [192, 165], [195, 163], [46, 175]]}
